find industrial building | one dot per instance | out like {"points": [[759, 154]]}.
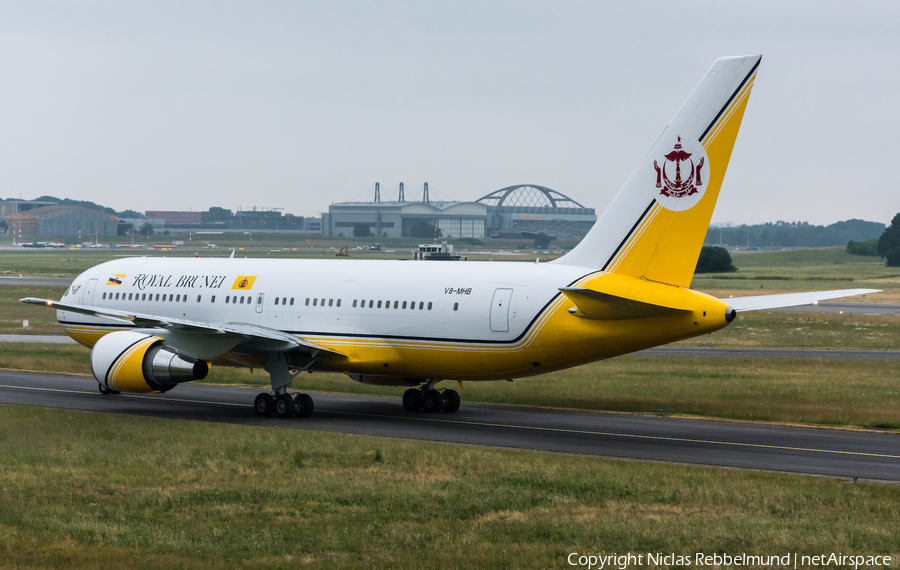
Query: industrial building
{"points": [[515, 211], [62, 221]]}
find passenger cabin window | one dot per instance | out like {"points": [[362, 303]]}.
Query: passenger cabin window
{"points": [[396, 303], [104, 296], [212, 299], [292, 301], [307, 301], [338, 302], [276, 300], [198, 298], [283, 300], [379, 304], [455, 306], [404, 305], [421, 305], [330, 302], [354, 300], [226, 299], [429, 305]]}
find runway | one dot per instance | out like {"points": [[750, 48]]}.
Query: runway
{"points": [[836, 453], [36, 281], [839, 307]]}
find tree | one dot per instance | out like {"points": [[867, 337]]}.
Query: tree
{"points": [[715, 260], [889, 243], [130, 214], [423, 230], [361, 229], [146, 230]]}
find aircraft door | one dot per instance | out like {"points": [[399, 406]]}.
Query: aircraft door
{"points": [[259, 302], [87, 297], [500, 310]]}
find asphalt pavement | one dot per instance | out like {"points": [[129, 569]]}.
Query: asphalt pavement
{"points": [[828, 452]]}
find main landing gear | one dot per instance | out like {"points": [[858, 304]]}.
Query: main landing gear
{"points": [[278, 401], [107, 391], [430, 400], [283, 405]]}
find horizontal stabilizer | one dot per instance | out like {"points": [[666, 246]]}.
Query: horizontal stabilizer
{"points": [[762, 302], [603, 306]]}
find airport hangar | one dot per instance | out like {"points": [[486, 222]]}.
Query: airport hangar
{"points": [[523, 210]]}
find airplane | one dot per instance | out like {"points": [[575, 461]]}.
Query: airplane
{"points": [[153, 323]]}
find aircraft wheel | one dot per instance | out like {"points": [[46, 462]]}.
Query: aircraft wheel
{"points": [[451, 401], [412, 400], [304, 405], [284, 406], [107, 391], [264, 404], [433, 401]]}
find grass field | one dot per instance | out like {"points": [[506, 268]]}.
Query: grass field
{"points": [[770, 272], [107, 491]]}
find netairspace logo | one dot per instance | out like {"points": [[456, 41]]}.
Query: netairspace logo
{"points": [[624, 561]]}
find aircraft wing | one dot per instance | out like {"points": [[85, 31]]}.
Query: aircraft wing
{"points": [[141, 320], [790, 299]]}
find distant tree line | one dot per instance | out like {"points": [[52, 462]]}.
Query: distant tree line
{"points": [[794, 234]]}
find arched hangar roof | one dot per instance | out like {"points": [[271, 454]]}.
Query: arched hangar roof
{"points": [[528, 195]]}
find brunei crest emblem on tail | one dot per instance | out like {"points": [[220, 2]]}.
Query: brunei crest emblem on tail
{"points": [[679, 187]]}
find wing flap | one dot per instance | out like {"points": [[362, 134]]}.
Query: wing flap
{"points": [[763, 302], [604, 306]]}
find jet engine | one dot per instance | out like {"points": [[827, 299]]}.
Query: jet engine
{"points": [[128, 361]]}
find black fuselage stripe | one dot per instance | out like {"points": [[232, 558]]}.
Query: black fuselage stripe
{"points": [[628, 235], [390, 337], [730, 99]]}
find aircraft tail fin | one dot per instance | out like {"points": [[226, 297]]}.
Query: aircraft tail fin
{"points": [[655, 226]]}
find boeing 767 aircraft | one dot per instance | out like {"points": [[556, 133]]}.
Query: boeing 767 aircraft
{"points": [[152, 323]]}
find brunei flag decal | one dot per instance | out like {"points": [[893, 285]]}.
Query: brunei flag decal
{"points": [[244, 282], [116, 279]]}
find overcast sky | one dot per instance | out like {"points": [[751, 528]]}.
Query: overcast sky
{"points": [[178, 105]]}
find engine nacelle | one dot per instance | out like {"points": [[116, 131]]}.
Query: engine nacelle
{"points": [[134, 362]]}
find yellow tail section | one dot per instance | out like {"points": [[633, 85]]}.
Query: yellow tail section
{"points": [[666, 246], [655, 226]]}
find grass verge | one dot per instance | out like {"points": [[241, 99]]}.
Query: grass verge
{"points": [[104, 490]]}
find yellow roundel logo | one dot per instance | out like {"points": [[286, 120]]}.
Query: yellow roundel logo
{"points": [[243, 284]]}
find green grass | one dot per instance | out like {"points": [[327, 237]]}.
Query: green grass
{"points": [[41, 320], [102, 490], [816, 392], [769, 272]]}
